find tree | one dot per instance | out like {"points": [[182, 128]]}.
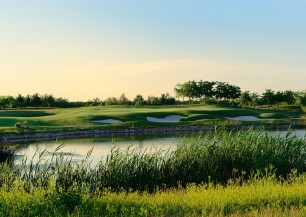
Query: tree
{"points": [[166, 99], [20, 101], [245, 98], [153, 100], [188, 89], [36, 100], [268, 97], [303, 101], [27, 102], [205, 89], [94, 102], [123, 100], [224, 90], [111, 101], [138, 100], [47, 100], [6, 101], [289, 97]]}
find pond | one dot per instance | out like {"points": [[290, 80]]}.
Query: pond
{"points": [[77, 149]]}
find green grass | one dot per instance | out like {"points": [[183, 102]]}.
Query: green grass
{"points": [[82, 118], [244, 173], [264, 196]]}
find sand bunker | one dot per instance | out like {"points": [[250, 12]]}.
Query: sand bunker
{"points": [[108, 121], [170, 118], [248, 118]]}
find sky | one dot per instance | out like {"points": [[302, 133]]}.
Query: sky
{"points": [[80, 50]]}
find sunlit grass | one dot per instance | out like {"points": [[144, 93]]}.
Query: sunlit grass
{"points": [[224, 173], [82, 118]]}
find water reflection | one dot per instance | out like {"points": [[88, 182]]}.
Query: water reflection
{"points": [[77, 149]]}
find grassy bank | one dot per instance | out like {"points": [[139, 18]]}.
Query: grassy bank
{"points": [[131, 116], [265, 196], [223, 173]]}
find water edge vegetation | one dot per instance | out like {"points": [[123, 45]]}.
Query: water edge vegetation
{"points": [[222, 173]]}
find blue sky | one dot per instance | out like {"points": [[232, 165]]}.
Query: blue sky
{"points": [[84, 49]]}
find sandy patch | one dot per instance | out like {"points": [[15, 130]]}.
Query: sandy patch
{"points": [[108, 121], [248, 118], [170, 118]]}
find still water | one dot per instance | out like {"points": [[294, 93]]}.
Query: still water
{"points": [[77, 149]]}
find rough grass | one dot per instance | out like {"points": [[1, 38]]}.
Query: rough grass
{"points": [[245, 173], [263, 195], [82, 118]]}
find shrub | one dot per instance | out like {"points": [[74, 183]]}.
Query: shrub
{"points": [[22, 125]]}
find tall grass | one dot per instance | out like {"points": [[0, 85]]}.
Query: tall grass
{"points": [[265, 196], [220, 173], [6, 154], [214, 157]]}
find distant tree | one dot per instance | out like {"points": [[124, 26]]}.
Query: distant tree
{"points": [[224, 90], [47, 100], [205, 89], [166, 99], [94, 102], [268, 97], [20, 101], [153, 100], [255, 98], [123, 100], [188, 89], [36, 100], [179, 92], [290, 97], [138, 100], [245, 98], [111, 101], [6, 101], [27, 101], [303, 101], [62, 103]]}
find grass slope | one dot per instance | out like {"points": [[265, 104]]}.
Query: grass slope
{"points": [[82, 118]]}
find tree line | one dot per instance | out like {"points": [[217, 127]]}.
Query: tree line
{"points": [[208, 92], [47, 100], [216, 92], [164, 99], [206, 89], [36, 100]]}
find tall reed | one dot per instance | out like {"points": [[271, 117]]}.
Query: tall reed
{"points": [[214, 157]]}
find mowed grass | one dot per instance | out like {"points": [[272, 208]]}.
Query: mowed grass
{"points": [[131, 116]]}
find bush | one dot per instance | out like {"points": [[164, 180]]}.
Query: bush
{"points": [[303, 102], [22, 125]]}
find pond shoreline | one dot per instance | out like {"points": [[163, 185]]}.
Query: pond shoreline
{"points": [[13, 138]]}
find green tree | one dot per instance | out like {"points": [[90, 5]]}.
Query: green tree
{"points": [[6, 101], [268, 97], [166, 99], [111, 101], [153, 100], [20, 101], [36, 100], [123, 100], [188, 89], [138, 100], [47, 100], [224, 90], [303, 101], [205, 89], [245, 99]]}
